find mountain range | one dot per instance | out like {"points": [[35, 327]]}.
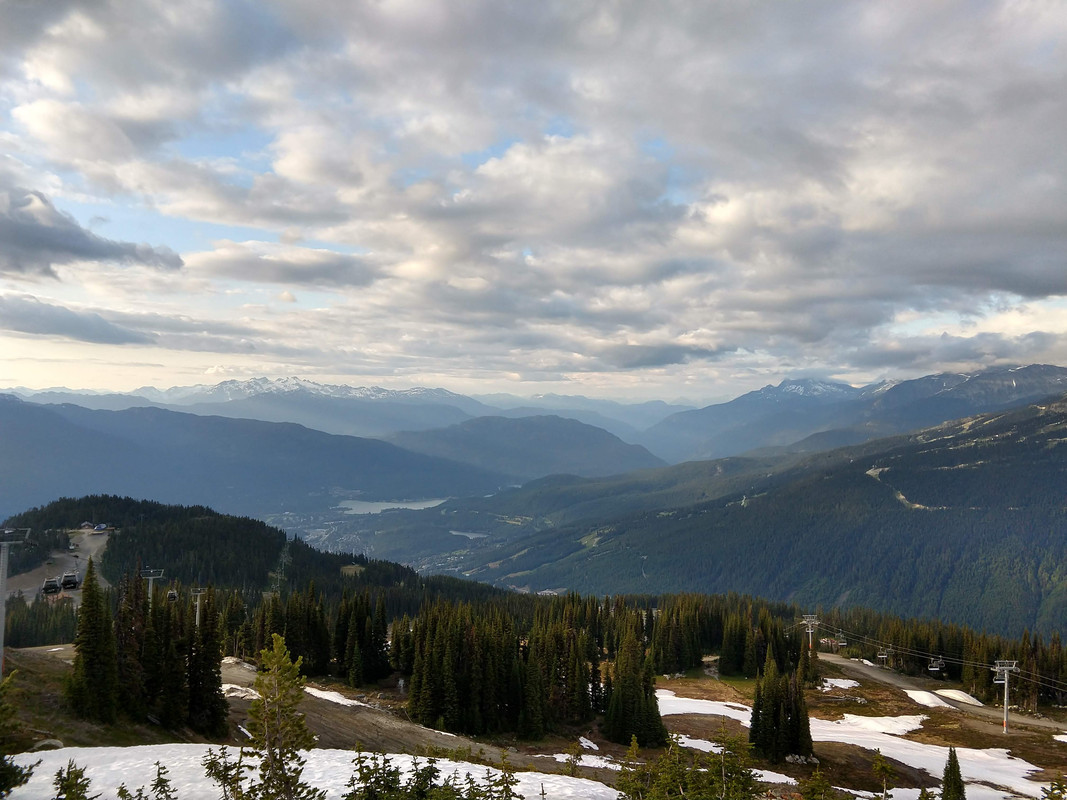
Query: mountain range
{"points": [[803, 415], [963, 521], [808, 415], [257, 468], [911, 496]]}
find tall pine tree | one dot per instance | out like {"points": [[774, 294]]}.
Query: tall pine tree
{"points": [[92, 688], [279, 732]]}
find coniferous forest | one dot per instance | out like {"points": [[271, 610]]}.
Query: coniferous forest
{"points": [[475, 660]]}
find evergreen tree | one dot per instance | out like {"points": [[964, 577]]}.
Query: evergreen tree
{"points": [[70, 783], [173, 668], [633, 710], [130, 621], [92, 688], [208, 709], [531, 717], [278, 730], [1056, 790], [883, 771], [678, 773], [780, 724], [952, 780], [817, 787]]}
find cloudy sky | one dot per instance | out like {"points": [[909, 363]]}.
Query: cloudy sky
{"points": [[670, 199]]}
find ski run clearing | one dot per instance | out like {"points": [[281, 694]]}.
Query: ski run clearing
{"points": [[108, 767]]}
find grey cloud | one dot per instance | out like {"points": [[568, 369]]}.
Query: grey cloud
{"points": [[146, 44], [30, 315], [921, 355], [35, 236], [629, 357], [261, 263]]}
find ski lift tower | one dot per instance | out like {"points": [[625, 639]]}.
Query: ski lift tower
{"points": [[1002, 668], [196, 594], [811, 621], [8, 537], [151, 575]]}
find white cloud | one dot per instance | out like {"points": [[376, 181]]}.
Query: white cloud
{"points": [[574, 190]]}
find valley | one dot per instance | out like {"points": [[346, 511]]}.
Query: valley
{"points": [[958, 524]]}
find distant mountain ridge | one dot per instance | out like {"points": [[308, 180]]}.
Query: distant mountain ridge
{"points": [[824, 413], [361, 410], [531, 447], [963, 521], [241, 466], [241, 390], [797, 415]]}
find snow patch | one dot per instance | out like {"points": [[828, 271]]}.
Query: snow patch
{"points": [[333, 697], [838, 683], [240, 692], [670, 703], [928, 699], [594, 762], [958, 696], [587, 744], [993, 767], [767, 776], [698, 744], [108, 767]]}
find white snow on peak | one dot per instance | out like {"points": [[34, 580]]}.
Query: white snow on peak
{"points": [[809, 387], [241, 390]]}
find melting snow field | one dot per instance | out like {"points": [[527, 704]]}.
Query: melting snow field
{"points": [[670, 703], [992, 766], [108, 767]]}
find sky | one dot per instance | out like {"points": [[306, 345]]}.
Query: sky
{"points": [[616, 199]]}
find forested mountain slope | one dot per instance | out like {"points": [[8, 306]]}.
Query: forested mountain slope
{"points": [[819, 415], [238, 466], [964, 521], [530, 447], [197, 546]]}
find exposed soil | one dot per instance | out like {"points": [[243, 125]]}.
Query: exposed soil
{"points": [[85, 545], [382, 724]]}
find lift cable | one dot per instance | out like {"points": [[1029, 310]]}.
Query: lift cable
{"points": [[1044, 681]]}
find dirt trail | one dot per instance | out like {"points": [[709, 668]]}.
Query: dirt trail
{"points": [[904, 682], [85, 544]]}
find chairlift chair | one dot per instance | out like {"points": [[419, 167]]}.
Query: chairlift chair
{"points": [[172, 596], [841, 642], [936, 664]]}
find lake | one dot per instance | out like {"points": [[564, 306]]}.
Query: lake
{"points": [[378, 506]]}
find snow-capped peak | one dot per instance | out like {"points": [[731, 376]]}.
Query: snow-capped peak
{"points": [[241, 390], [810, 387]]}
